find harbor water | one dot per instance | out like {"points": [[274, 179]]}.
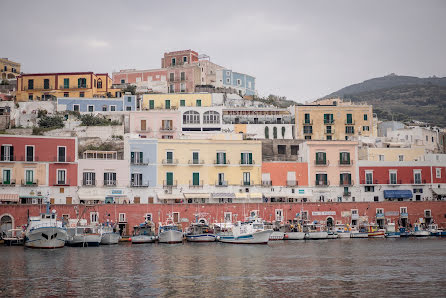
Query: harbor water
{"points": [[343, 267]]}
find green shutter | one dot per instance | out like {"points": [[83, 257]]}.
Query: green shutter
{"points": [[250, 158], [169, 178], [241, 159], [132, 157], [169, 155], [198, 103], [217, 160], [141, 157], [196, 178], [349, 179], [224, 157], [151, 104], [341, 180], [349, 118], [182, 103], [167, 104], [325, 157]]}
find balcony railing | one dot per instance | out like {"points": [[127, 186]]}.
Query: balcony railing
{"points": [[170, 161], [139, 162], [148, 129], [10, 182], [321, 162], [221, 162], [346, 193], [194, 185], [139, 184], [62, 183], [89, 183], [329, 122], [29, 183], [221, 183], [346, 183], [292, 183], [171, 184], [167, 129], [246, 163], [369, 182], [322, 183], [404, 215], [197, 162], [75, 87], [109, 183], [421, 181], [307, 122], [396, 182], [28, 158], [267, 183], [345, 162], [7, 158], [247, 183], [38, 88], [350, 122]]}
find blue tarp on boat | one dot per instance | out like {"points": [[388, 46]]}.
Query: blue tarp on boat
{"points": [[398, 194]]}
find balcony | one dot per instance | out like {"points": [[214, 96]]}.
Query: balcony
{"points": [[63, 159], [139, 184], [11, 182], [195, 185], [418, 181], [166, 128], [291, 183], [346, 183], [170, 161], [29, 183], [245, 163], [307, 122], [196, 162], [169, 184], [346, 193], [29, 158], [350, 122], [379, 215], [322, 183], [109, 183], [246, 183], [322, 163], [75, 87], [267, 183], [404, 215], [7, 158], [369, 182], [222, 183], [329, 132], [89, 183], [139, 162], [329, 121], [396, 182], [221, 162], [39, 88], [345, 162], [147, 130], [62, 183]]}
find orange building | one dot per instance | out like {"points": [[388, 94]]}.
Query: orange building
{"points": [[285, 173]]}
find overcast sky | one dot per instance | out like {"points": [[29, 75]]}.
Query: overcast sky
{"points": [[300, 49]]}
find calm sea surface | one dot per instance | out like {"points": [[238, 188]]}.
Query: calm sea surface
{"points": [[344, 267]]}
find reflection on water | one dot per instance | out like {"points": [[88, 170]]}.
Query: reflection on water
{"points": [[347, 267]]}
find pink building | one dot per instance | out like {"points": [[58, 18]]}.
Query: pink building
{"points": [[179, 58], [162, 124]]}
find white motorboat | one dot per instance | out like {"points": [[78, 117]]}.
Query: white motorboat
{"points": [[144, 233], [292, 231], [170, 232], [276, 234], [419, 231], [332, 235], [342, 230], [391, 231], [359, 233], [433, 230], [246, 233], [109, 236], [45, 231], [314, 232], [84, 236], [200, 232]]}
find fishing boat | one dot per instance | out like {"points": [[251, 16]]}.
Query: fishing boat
{"points": [[342, 230], [314, 231], [419, 231], [404, 232], [391, 231], [109, 235], [332, 235], [276, 234], [375, 232], [170, 232], [433, 230], [45, 231], [144, 233], [360, 232], [252, 232], [200, 232], [292, 232], [14, 237], [84, 236]]}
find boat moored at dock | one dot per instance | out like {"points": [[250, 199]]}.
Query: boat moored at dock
{"points": [[144, 233], [109, 236], [170, 232], [200, 232], [84, 236]]}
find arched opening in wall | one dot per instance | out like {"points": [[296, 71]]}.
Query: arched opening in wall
{"points": [[6, 224], [330, 222], [11, 76]]}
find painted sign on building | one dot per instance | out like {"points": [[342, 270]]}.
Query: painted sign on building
{"points": [[319, 213]]}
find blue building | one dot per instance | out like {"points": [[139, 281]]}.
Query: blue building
{"points": [[143, 162], [90, 105], [243, 83]]}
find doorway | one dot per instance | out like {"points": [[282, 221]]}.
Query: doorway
{"points": [[330, 222], [6, 224]]}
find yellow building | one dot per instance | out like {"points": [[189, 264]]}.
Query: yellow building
{"points": [[9, 69], [216, 162], [392, 154], [47, 86], [334, 121], [175, 100]]}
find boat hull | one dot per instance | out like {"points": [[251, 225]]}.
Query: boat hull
{"points": [[316, 235], [295, 236], [46, 237], [201, 238], [261, 237], [393, 235], [377, 234], [85, 240], [139, 239], [170, 236], [359, 235], [277, 235], [421, 233], [110, 238], [344, 235]]}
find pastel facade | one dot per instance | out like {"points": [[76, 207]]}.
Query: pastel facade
{"points": [[9, 69], [243, 83], [162, 124], [417, 136], [91, 105], [334, 122], [200, 120], [174, 101], [183, 73], [45, 86], [151, 80], [393, 154]]}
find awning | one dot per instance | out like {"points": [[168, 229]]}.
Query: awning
{"points": [[9, 197], [293, 195], [439, 191], [197, 195], [91, 198], [241, 195], [169, 197], [256, 195], [397, 194], [223, 195]]}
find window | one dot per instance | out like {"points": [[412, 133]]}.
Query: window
{"points": [[400, 157], [169, 157], [365, 128], [6, 178], [321, 179], [294, 149], [239, 82], [29, 153], [110, 178], [246, 178], [307, 137], [381, 157], [221, 180], [221, 158], [417, 176], [329, 138], [182, 87], [30, 84], [61, 154], [211, 117], [307, 119], [81, 94], [112, 108], [143, 125], [349, 119], [122, 217], [171, 88], [246, 158], [308, 129], [129, 99], [191, 117], [228, 81], [136, 158], [61, 177], [365, 117], [167, 124], [29, 177], [99, 83], [94, 217], [128, 108], [198, 103], [66, 94], [183, 76], [90, 108], [104, 108], [344, 158], [76, 108], [328, 119], [369, 188], [328, 129], [171, 76], [182, 103], [136, 179], [195, 179], [169, 179], [167, 104], [122, 81], [350, 129], [30, 96], [46, 84], [438, 173], [392, 177], [321, 158], [281, 149], [427, 213], [151, 104], [368, 177], [345, 179], [88, 178], [174, 61], [195, 158], [185, 59], [7, 153], [148, 217], [82, 83]]}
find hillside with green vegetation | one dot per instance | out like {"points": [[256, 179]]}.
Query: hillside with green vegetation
{"points": [[401, 98]]}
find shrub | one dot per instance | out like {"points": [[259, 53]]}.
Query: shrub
{"points": [[51, 122], [91, 120]]}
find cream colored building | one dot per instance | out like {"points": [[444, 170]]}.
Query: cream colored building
{"points": [[9, 69], [392, 154], [175, 100]]}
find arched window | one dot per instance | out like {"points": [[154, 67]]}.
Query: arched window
{"points": [[191, 117], [211, 117], [275, 132], [266, 132], [99, 83]]}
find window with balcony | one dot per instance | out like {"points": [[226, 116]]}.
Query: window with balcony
{"points": [[221, 180], [169, 157], [7, 153], [321, 158], [417, 177], [151, 104], [221, 158], [191, 117], [196, 179], [136, 158], [369, 178], [167, 104], [61, 177], [328, 119], [169, 179], [109, 178], [349, 119], [321, 179], [195, 158], [29, 177], [29, 153], [88, 178], [345, 179], [307, 119], [6, 178], [246, 178], [246, 158], [62, 154], [211, 117], [350, 129], [344, 158], [393, 177], [308, 129], [46, 84], [167, 125], [136, 179]]}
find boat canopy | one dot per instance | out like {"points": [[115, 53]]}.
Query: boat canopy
{"points": [[439, 191], [398, 194]]}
